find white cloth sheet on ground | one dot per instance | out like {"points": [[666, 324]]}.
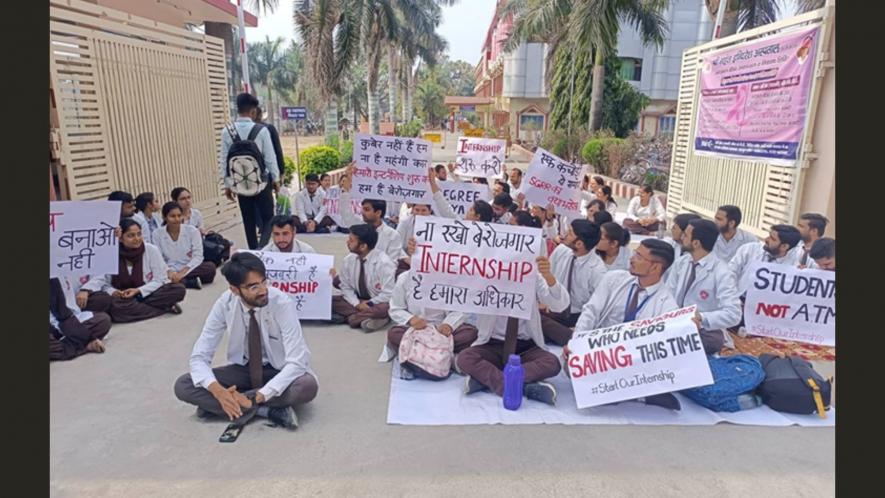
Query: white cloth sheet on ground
{"points": [[424, 402]]}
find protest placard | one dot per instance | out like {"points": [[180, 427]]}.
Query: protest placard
{"points": [[482, 157], [462, 195], [551, 180], [785, 302], [475, 267], [82, 239], [391, 168], [637, 359], [333, 208], [305, 277]]}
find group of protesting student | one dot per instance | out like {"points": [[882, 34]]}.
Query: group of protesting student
{"points": [[589, 278]]}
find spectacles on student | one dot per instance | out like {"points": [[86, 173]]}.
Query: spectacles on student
{"points": [[256, 286]]}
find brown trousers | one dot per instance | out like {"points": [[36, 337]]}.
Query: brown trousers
{"points": [[557, 327], [206, 271], [635, 227], [354, 317], [137, 309], [64, 347], [300, 391], [485, 363], [463, 336], [300, 226]]}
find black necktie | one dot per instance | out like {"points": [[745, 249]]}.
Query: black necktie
{"points": [[804, 260], [363, 287], [510, 336], [691, 276], [255, 366], [571, 271], [630, 314]]}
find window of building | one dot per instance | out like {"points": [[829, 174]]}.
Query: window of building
{"points": [[666, 125], [631, 69]]}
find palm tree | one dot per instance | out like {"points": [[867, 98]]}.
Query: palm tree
{"points": [[741, 15], [329, 32], [586, 25], [418, 45], [266, 60]]}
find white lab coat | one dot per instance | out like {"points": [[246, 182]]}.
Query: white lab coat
{"points": [[726, 249], [196, 219], [148, 227], [714, 291], [622, 260], [389, 241], [306, 209], [588, 272], [70, 289], [608, 303], [746, 255], [654, 209], [380, 277], [187, 251], [283, 345], [555, 298], [154, 271], [403, 306]]}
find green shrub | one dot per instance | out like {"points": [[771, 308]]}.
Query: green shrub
{"points": [[410, 129], [288, 169], [318, 159], [593, 152], [332, 142]]}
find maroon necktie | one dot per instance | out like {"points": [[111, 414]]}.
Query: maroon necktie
{"points": [[691, 276], [363, 287], [255, 366], [510, 336]]}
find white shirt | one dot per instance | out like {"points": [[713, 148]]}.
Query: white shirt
{"points": [[801, 250], [297, 246], [558, 226], [70, 290], [587, 274], [504, 219], [389, 241], [195, 220], [747, 254], [380, 277], [283, 346], [495, 327], [726, 249], [148, 226], [622, 260], [608, 303], [187, 251], [514, 191], [153, 269], [306, 208], [403, 306], [265, 145], [654, 209], [714, 291]]}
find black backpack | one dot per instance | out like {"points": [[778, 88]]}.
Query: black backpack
{"points": [[216, 248], [792, 385], [245, 163]]}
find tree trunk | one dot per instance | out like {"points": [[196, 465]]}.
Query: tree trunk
{"points": [[393, 79], [410, 95], [331, 123], [269, 105], [596, 92]]}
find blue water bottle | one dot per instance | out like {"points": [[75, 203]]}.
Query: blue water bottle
{"points": [[514, 376]]}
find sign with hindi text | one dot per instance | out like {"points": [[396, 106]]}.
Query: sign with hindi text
{"points": [[552, 180], [475, 267], [391, 168], [482, 157], [82, 239], [462, 195], [305, 277], [789, 303], [637, 359], [333, 206]]}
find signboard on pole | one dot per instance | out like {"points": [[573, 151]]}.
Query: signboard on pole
{"points": [[294, 113]]}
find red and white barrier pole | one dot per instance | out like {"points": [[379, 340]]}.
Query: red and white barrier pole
{"points": [[244, 58]]}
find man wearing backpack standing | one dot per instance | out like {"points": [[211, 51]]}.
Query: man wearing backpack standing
{"points": [[249, 168]]}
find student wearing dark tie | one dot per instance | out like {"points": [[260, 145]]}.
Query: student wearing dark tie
{"points": [[367, 282], [269, 373]]}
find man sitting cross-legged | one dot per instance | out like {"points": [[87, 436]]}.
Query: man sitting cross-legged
{"points": [[269, 372], [367, 281]]}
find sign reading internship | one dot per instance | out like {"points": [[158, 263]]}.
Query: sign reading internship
{"points": [[637, 359], [475, 267], [553, 181], [82, 239], [305, 277], [789, 303], [754, 98], [391, 168], [482, 157]]}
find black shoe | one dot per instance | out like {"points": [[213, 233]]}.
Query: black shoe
{"points": [[175, 309], [201, 413], [472, 385], [283, 417], [540, 391], [193, 283], [665, 400], [338, 319]]}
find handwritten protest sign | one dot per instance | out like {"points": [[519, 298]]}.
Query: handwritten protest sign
{"points": [[462, 195], [551, 180], [82, 239], [391, 168], [785, 302], [483, 157], [637, 359], [333, 208], [475, 267], [305, 277]]}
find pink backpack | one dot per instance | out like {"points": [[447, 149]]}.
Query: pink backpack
{"points": [[428, 350]]}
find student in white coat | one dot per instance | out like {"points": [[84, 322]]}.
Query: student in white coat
{"points": [[367, 282], [731, 238], [182, 248], [407, 313], [777, 248], [811, 228], [704, 280], [645, 212], [680, 222], [441, 207], [605, 195], [309, 209], [625, 296], [73, 331], [500, 336], [269, 372], [141, 288], [613, 247], [283, 236], [147, 214], [189, 214], [823, 253], [574, 263]]}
